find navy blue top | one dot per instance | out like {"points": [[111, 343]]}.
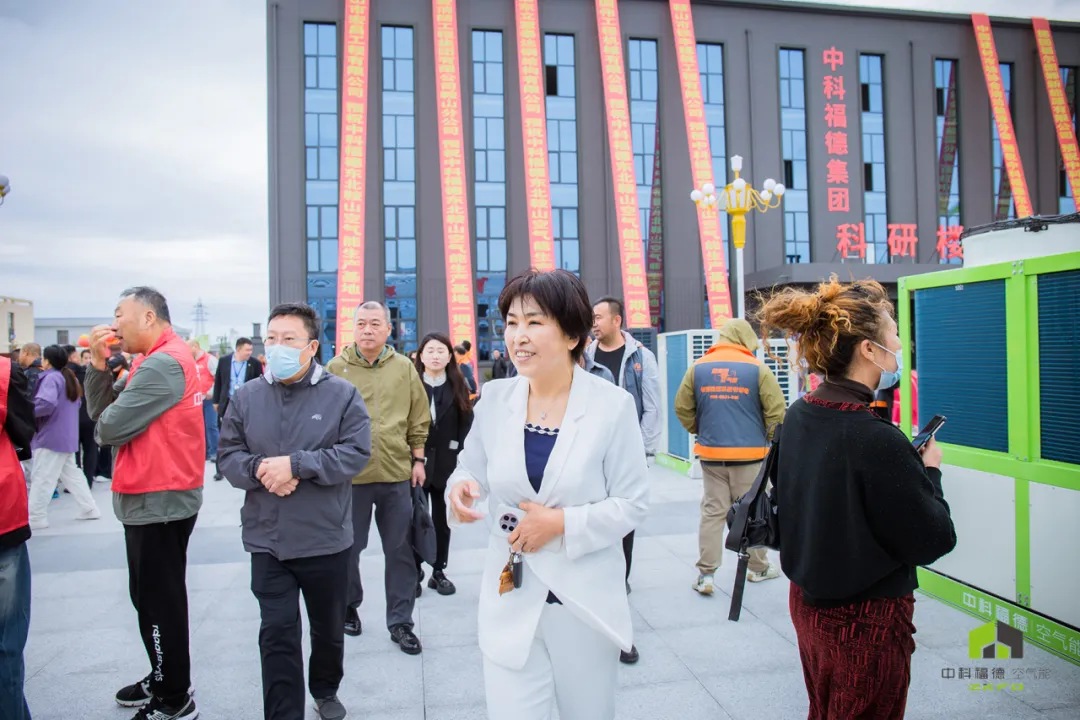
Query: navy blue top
{"points": [[539, 441]]}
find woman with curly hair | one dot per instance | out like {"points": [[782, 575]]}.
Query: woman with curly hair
{"points": [[859, 507]]}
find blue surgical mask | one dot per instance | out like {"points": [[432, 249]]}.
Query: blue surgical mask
{"points": [[890, 377], [284, 361]]}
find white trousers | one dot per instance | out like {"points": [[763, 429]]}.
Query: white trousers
{"points": [[570, 664], [49, 468]]}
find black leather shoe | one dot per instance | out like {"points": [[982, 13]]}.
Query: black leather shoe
{"points": [[440, 584], [419, 589], [406, 639], [330, 708], [629, 658], [352, 624], [627, 587]]}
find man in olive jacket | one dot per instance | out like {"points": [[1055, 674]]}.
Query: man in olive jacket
{"points": [[398, 406]]}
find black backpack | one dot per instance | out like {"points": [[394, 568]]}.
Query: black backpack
{"points": [[753, 522]]}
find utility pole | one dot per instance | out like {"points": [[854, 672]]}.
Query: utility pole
{"points": [[200, 316]]}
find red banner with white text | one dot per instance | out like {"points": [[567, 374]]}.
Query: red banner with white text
{"points": [[457, 244], [351, 182], [627, 220], [1010, 151], [712, 244], [1059, 103], [534, 133]]}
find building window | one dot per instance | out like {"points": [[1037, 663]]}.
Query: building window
{"points": [[873, 156], [61, 337], [489, 168], [711, 68], [1004, 207], [561, 105], [321, 176], [1067, 197], [793, 141], [399, 183], [948, 151], [645, 132]]}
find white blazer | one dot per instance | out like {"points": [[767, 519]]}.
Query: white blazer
{"points": [[598, 475]]}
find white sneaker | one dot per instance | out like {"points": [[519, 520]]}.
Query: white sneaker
{"points": [[769, 573], [91, 515], [704, 584], [39, 524]]}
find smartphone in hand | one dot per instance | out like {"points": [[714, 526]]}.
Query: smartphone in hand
{"points": [[931, 428]]}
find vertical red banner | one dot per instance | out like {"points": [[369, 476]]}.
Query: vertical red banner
{"points": [[627, 220], [1059, 103], [712, 244], [353, 156], [1010, 152], [534, 134], [457, 244]]}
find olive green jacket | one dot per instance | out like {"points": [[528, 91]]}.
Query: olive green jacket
{"points": [[398, 406]]}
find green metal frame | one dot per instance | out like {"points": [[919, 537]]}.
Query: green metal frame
{"points": [[1024, 460]]}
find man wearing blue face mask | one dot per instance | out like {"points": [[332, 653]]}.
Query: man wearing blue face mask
{"points": [[293, 441]]}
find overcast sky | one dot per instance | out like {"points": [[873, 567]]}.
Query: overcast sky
{"points": [[134, 134]]}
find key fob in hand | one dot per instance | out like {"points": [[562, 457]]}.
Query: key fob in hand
{"points": [[517, 569]]}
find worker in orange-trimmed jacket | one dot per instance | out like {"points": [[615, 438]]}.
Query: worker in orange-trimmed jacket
{"points": [[732, 402], [16, 431]]}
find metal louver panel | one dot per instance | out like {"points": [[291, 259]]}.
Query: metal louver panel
{"points": [[1059, 365], [961, 361]]}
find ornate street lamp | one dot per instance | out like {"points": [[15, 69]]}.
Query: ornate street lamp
{"points": [[736, 199], [5, 187]]}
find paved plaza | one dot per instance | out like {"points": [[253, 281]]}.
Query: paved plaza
{"points": [[694, 663]]}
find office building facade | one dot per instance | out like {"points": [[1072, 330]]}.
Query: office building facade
{"points": [[878, 122]]}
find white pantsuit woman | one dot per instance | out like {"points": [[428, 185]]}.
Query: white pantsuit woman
{"points": [[557, 454]]}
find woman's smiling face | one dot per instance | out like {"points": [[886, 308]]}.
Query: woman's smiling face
{"points": [[535, 342]]}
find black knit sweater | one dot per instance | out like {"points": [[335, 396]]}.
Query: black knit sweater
{"points": [[858, 509]]}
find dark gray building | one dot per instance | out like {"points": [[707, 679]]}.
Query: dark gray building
{"points": [[921, 147]]}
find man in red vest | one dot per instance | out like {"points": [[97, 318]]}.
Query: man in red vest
{"points": [[154, 418], [16, 431]]}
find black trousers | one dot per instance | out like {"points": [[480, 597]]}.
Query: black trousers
{"points": [[89, 453], [157, 581], [628, 551], [437, 502], [277, 585], [105, 461]]}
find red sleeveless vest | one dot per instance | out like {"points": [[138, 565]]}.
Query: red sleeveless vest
{"points": [[171, 453], [13, 507]]}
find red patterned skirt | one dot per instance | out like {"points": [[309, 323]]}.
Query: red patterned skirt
{"points": [[856, 659]]}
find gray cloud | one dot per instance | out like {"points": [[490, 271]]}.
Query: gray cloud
{"points": [[134, 135]]}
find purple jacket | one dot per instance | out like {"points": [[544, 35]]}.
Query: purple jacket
{"points": [[57, 417]]}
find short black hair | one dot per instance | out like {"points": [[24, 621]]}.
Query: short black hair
{"points": [[615, 305], [69, 349], [460, 349], [240, 342], [561, 296], [467, 345], [303, 311], [152, 298]]}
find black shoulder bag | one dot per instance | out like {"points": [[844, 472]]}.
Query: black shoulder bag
{"points": [[753, 522]]}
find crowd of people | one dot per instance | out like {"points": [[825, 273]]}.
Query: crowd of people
{"points": [[556, 449]]}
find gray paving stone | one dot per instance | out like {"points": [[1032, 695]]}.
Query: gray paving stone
{"points": [[84, 642]]}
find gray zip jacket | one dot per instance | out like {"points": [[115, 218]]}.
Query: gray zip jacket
{"points": [[322, 424], [639, 375]]}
